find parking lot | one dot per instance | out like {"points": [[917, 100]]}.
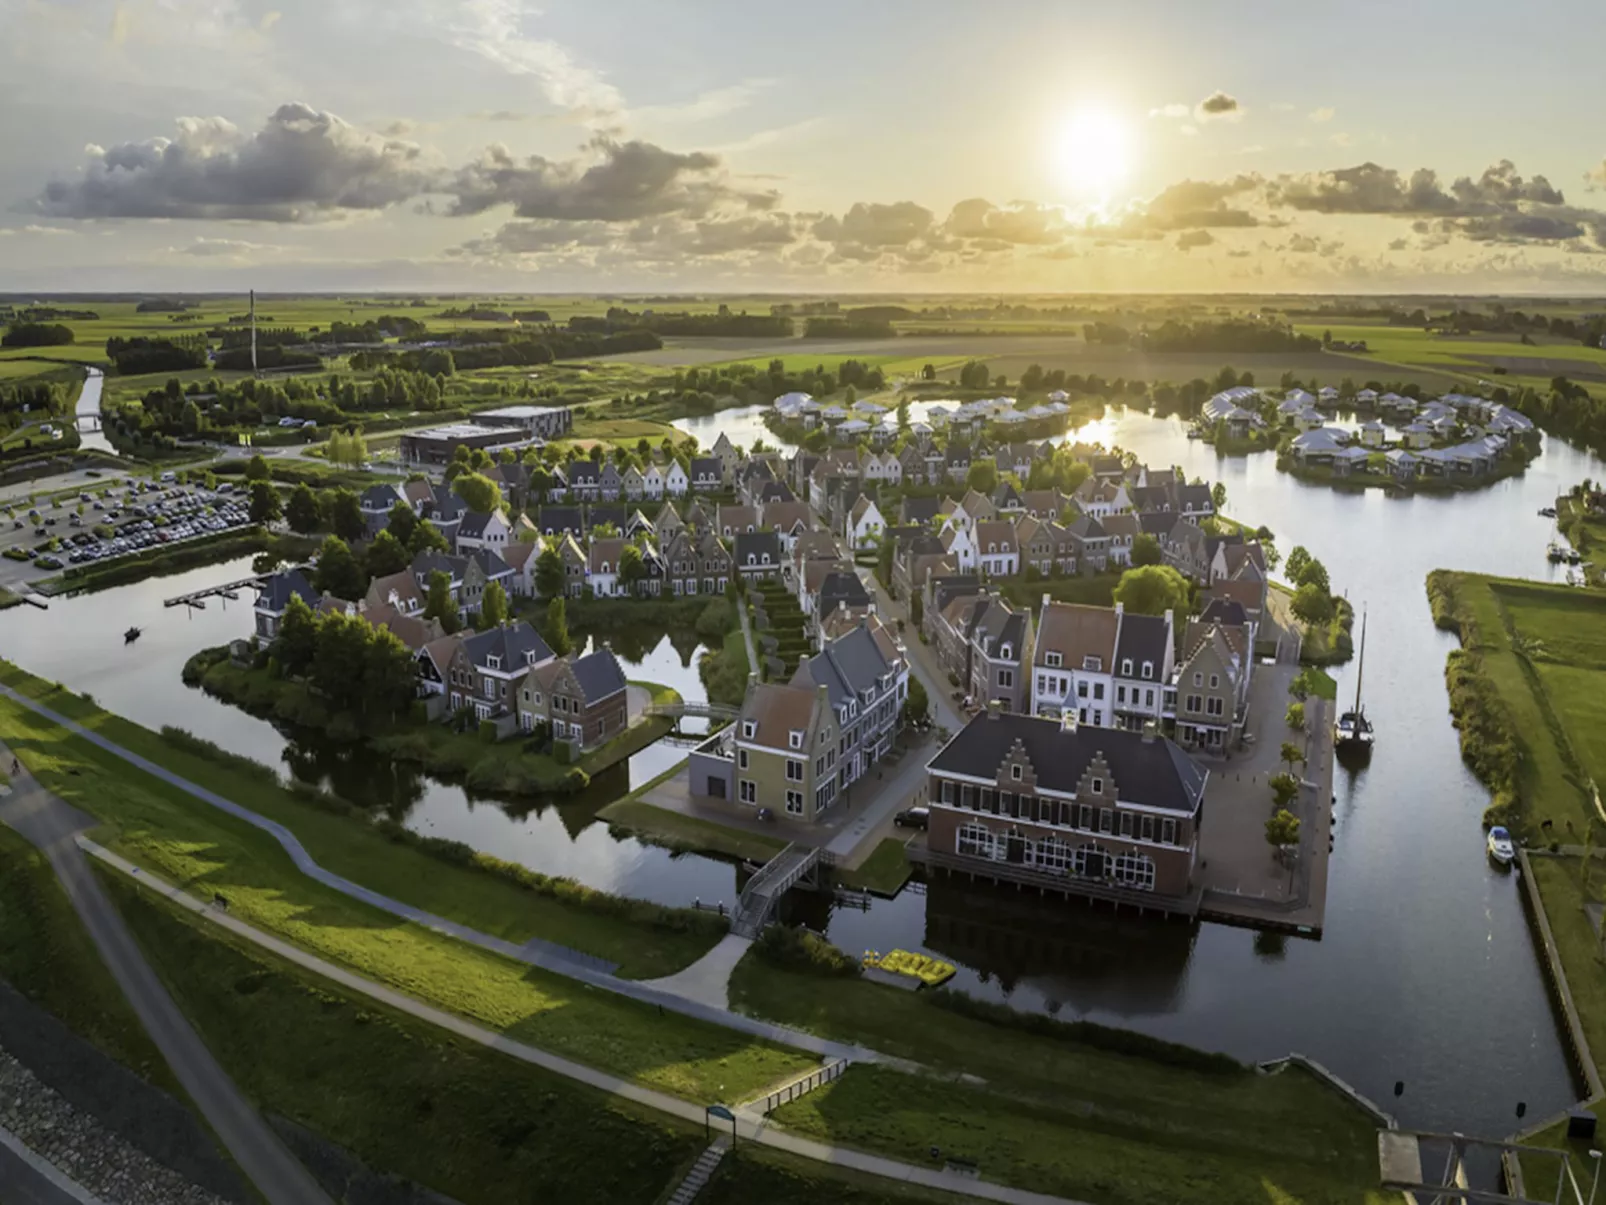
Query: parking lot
{"points": [[106, 522]]}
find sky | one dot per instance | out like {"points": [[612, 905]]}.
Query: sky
{"points": [[737, 147]]}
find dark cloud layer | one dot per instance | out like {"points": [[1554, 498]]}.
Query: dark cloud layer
{"points": [[628, 181], [302, 165]]}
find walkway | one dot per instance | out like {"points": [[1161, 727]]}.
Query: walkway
{"points": [[749, 1127], [31, 1180], [707, 980], [922, 661], [53, 825], [747, 634]]}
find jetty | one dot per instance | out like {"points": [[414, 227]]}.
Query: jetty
{"points": [[197, 598]]}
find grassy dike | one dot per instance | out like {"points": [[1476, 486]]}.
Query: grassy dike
{"points": [[401, 1095], [1075, 1110], [204, 850]]}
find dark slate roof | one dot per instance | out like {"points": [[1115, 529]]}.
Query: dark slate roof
{"points": [[924, 544], [1086, 527], [1157, 523], [842, 587], [561, 518], [1143, 638], [757, 543], [512, 643], [596, 516], [610, 474], [707, 466], [1196, 495], [473, 524], [1225, 612], [584, 472], [274, 592], [957, 453], [1152, 498], [848, 665], [426, 563], [1155, 773], [776, 491], [951, 586], [489, 562], [1107, 466], [448, 508], [1006, 497], [919, 510], [379, 497], [599, 675]]}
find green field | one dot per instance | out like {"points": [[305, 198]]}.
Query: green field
{"points": [[752, 1173], [884, 871], [401, 1095]]}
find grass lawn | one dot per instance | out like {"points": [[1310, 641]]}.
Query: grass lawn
{"points": [[753, 1173], [48, 956], [664, 827], [883, 872], [401, 1095], [1055, 1143], [206, 851], [1071, 1097]]}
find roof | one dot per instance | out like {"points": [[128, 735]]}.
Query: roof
{"points": [[516, 645], [842, 587], [995, 534], [1224, 610], [1154, 773], [919, 510], [560, 518], [473, 525], [784, 516], [404, 584], [758, 545], [1075, 631], [846, 666], [584, 472], [1143, 638], [430, 561], [489, 562], [606, 551], [707, 466], [777, 711], [599, 675], [273, 593], [996, 624], [379, 497]]}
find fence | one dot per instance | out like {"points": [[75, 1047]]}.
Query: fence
{"points": [[802, 1087]]}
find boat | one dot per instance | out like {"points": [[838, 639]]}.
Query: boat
{"points": [[1353, 732], [131, 635], [1501, 848], [931, 972], [1548, 512], [1555, 553]]}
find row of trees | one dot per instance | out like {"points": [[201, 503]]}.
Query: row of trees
{"points": [[36, 334]]}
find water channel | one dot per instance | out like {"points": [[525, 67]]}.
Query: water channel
{"points": [[1426, 973]]}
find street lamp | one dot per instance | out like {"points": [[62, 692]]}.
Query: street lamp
{"points": [[1595, 1155]]}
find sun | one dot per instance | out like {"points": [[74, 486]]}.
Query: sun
{"points": [[1094, 153]]}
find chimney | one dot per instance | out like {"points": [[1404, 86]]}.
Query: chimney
{"points": [[1169, 621], [1068, 721], [1150, 731], [993, 709]]}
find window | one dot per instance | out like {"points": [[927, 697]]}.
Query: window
{"points": [[1148, 698], [1148, 670], [749, 729], [976, 841], [1106, 820], [1120, 694], [1014, 773], [794, 771], [741, 759], [1126, 667], [1198, 678], [1006, 677], [947, 791], [1193, 704], [1135, 870], [1126, 824], [794, 739], [1148, 828], [1168, 832], [1215, 681], [1081, 690], [1098, 690], [749, 791], [1213, 706], [1095, 664], [794, 802], [1052, 660], [1097, 786], [1006, 653]]}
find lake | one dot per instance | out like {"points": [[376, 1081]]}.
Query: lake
{"points": [[1426, 973]]}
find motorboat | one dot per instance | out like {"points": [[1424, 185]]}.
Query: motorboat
{"points": [[1353, 732], [1501, 847], [1555, 553], [131, 635], [1548, 512]]}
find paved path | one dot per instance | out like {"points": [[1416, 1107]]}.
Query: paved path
{"points": [[749, 1126], [53, 825], [708, 979], [28, 1179], [747, 634]]}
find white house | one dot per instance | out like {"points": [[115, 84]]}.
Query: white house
{"points": [[1073, 663], [676, 483], [997, 551], [652, 483], [864, 524], [481, 529], [960, 544]]}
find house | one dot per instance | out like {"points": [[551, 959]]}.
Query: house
{"points": [[1231, 408], [576, 565], [610, 483], [1073, 661], [1212, 685], [584, 700], [400, 591], [1401, 465], [1194, 501], [788, 520], [780, 754], [481, 567], [602, 567], [912, 465], [434, 664], [482, 529], [521, 556], [1043, 504], [864, 524], [758, 556], [713, 561], [487, 667], [633, 484], [997, 554], [1036, 541], [999, 654], [1122, 529], [728, 455], [1089, 545], [922, 511], [956, 461], [560, 520], [1043, 802], [1348, 460], [840, 594], [1145, 658], [667, 523], [958, 543], [1318, 447], [913, 561], [585, 480], [375, 503], [273, 596], [1186, 548], [677, 482], [707, 475], [731, 521], [1006, 499], [865, 675], [652, 483], [1372, 434], [1098, 498], [446, 513]]}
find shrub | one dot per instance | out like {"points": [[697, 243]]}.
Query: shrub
{"points": [[487, 732], [188, 742], [800, 950], [1296, 716]]}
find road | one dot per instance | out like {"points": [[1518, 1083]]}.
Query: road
{"points": [[53, 826], [24, 1183]]}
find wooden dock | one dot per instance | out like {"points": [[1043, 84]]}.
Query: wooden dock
{"points": [[196, 598]]}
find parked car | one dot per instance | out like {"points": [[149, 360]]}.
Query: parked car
{"points": [[913, 818]]}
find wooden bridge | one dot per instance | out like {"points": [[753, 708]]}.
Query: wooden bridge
{"points": [[765, 889], [196, 598], [711, 711]]}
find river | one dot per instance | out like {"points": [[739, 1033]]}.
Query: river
{"points": [[1426, 973]]}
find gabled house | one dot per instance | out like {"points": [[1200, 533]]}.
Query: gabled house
{"points": [[1088, 543], [584, 700], [729, 457], [1073, 662], [560, 520], [483, 529], [677, 482], [757, 556], [956, 461], [487, 667], [434, 664], [732, 521], [707, 475], [399, 591], [585, 480], [521, 557], [1145, 657], [780, 754], [997, 554], [788, 520], [960, 544], [375, 503], [865, 675], [914, 560], [1122, 529], [652, 483], [633, 484], [576, 565], [864, 524], [273, 596], [602, 567], [610, 482], [1212, 686]]}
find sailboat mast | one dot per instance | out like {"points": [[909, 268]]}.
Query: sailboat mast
{"points": [[1360, 666]]}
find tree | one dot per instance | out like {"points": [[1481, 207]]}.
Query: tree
{"points": [[1312, 605], [1296, 562], [389, 673], [338, 572], [1153, 590], [297, 644], [302, 511], [903, 412], [190, 419], [265, 506], [387, 555], [402, 522], [917, 704], [631, 568], [1296, 715], [1289, 754], [256, 469], [1146, 551], [1314, 573], [983, 475], [1282, 830], [549, 574], [479, 491], [493, 607], [556, 629], [345, 515], [426, 537], [1218, 497], [439, 604], [337, 670], [1283, 789]]}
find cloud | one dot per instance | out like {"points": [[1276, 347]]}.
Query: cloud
{"points": [[870, 226], [716, 102], [1189, 239], [622, 181], [1325, 113], [1218, 106], [1399, 244], [1340, 139], [1021, 222], [1595, 178], [302, 165], [208, 248], [1192, 205], [1171, 110], [494, 30], [42, 231]]}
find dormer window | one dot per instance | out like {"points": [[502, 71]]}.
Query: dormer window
{"points": [[529, 656], [749, 729], [1126, 667], [794, 738], [1006, 651], [492, 661], [1053, 660], [1148, 670], [1093, 664]]}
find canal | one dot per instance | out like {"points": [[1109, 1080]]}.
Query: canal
{"points": [[1426, 973]]}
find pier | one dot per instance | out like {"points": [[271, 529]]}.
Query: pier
{"points": [[197, 598]]}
